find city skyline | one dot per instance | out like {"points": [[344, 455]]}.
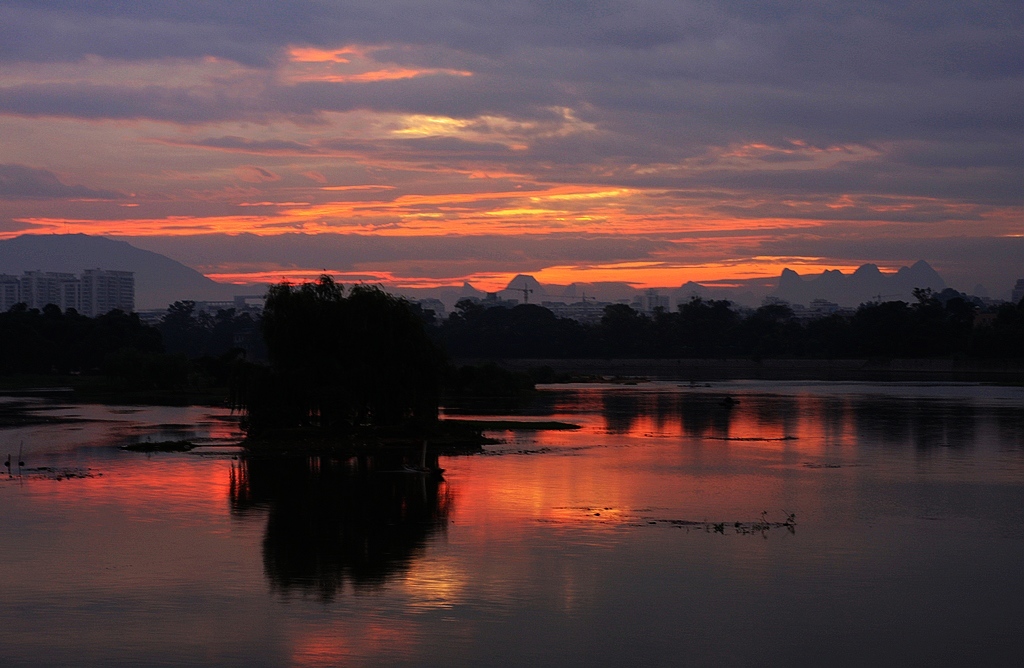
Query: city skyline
{"points": [[655, 143], [93, 292]]}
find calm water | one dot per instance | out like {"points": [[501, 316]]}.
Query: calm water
{"points": [[637, 540]]}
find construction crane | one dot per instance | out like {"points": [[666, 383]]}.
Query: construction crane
{"points": [[582, 297], [526, 293]]}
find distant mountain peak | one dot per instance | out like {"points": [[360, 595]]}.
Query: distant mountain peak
{"points": [[521, 279], [527, 282], [865, 284]]}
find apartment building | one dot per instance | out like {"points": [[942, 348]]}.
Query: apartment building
{"points": [[95, 292], [103, 291]]}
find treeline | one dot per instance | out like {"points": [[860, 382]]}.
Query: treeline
{"points": [[198, 334], [712, 329], [191, 349], [50, 341], [186, 350]]}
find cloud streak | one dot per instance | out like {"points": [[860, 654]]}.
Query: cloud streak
{"points": [[22, 182]]}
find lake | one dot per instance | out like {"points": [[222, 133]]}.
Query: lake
{"points": [[740, 523]]}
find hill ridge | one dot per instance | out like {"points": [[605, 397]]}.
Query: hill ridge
{"points": [[159, 280]]}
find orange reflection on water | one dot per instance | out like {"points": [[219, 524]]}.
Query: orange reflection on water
{"points": [[650, 455], [345, 642], [196, 488], [434, 583]]}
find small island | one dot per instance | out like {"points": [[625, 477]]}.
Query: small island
{"points": [[348, 371]]}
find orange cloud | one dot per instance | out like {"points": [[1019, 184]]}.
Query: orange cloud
{"points": [[350, 64], [378, 75], [534, 211], [359, 187], [298, 54]]}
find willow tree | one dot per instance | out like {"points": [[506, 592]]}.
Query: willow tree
{"points": [[339, 362]]}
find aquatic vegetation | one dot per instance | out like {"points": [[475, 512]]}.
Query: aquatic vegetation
{"points": [[641, 517], [51, 473], [159, 446], [516, 425]]}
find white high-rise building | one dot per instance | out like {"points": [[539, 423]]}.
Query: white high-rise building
{"points": [[95, 293], [10, 291], [103, 291], [39, 288]]}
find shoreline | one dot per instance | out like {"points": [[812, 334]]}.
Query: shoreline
{"points": [[997, 371]]}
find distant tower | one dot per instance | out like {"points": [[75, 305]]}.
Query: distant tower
{"points": [[526, 292], [652, 300]]}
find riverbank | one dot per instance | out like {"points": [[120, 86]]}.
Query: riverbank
{"points": [[1002, 372], [106, 390]]}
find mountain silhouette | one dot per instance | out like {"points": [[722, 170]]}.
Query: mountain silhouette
{"points": [[865, 284], [515, 287], [159, 280]]}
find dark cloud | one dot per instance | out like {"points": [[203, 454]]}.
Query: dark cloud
{"points": [[245, 145], [656, 76], [425, 149], [351, 251], [870, 38], [21, 182], [877, 176], [178, 105]]}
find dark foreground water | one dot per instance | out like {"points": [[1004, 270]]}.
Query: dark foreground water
{"points": [[661, 533]]}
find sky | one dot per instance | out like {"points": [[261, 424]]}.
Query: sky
{"points": [[430, 143]]}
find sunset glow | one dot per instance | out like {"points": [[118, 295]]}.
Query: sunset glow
{"points": [[508, 128]]}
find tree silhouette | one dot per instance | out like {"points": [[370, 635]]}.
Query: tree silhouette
{"points": [[341, 362]]}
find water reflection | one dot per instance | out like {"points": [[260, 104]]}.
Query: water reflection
{"points": [[704, 415], [564, 548], [622, 410], [330, 521], [925, 423], [1010, 423], [699, 414]]}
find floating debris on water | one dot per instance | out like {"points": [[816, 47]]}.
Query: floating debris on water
{"points": [[751, 438], [745, 528], [159, 446], [517, 425], [51, 473], [635, 519]]}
